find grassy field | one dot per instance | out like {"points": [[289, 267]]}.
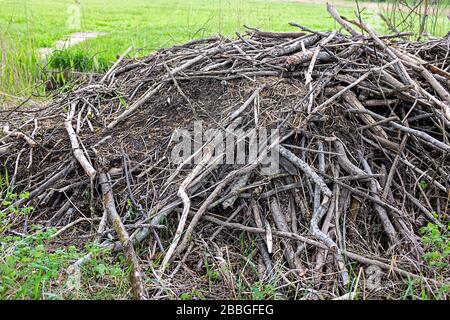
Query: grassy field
{"points": [[27, 26]]}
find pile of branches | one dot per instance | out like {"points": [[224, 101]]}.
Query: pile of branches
{"points": [[362, 125]]}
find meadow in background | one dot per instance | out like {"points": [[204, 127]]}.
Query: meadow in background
{"points": [[26, 27]]}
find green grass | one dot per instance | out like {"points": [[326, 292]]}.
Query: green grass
{"points": [[31, 267], [27, 25]]}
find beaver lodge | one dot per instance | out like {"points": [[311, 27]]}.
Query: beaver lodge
{"points": [[350, 139]]}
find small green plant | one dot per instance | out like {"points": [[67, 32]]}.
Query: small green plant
{"points": [[424, 294], [423, 185], [100, 265], [4, 181], [122, 101], [102, 276], [9, 198], [443, 291], [437, 245], [213, 276], [408, 292], [131, 211], [194, 294], [186, 296], [29, 267]]}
